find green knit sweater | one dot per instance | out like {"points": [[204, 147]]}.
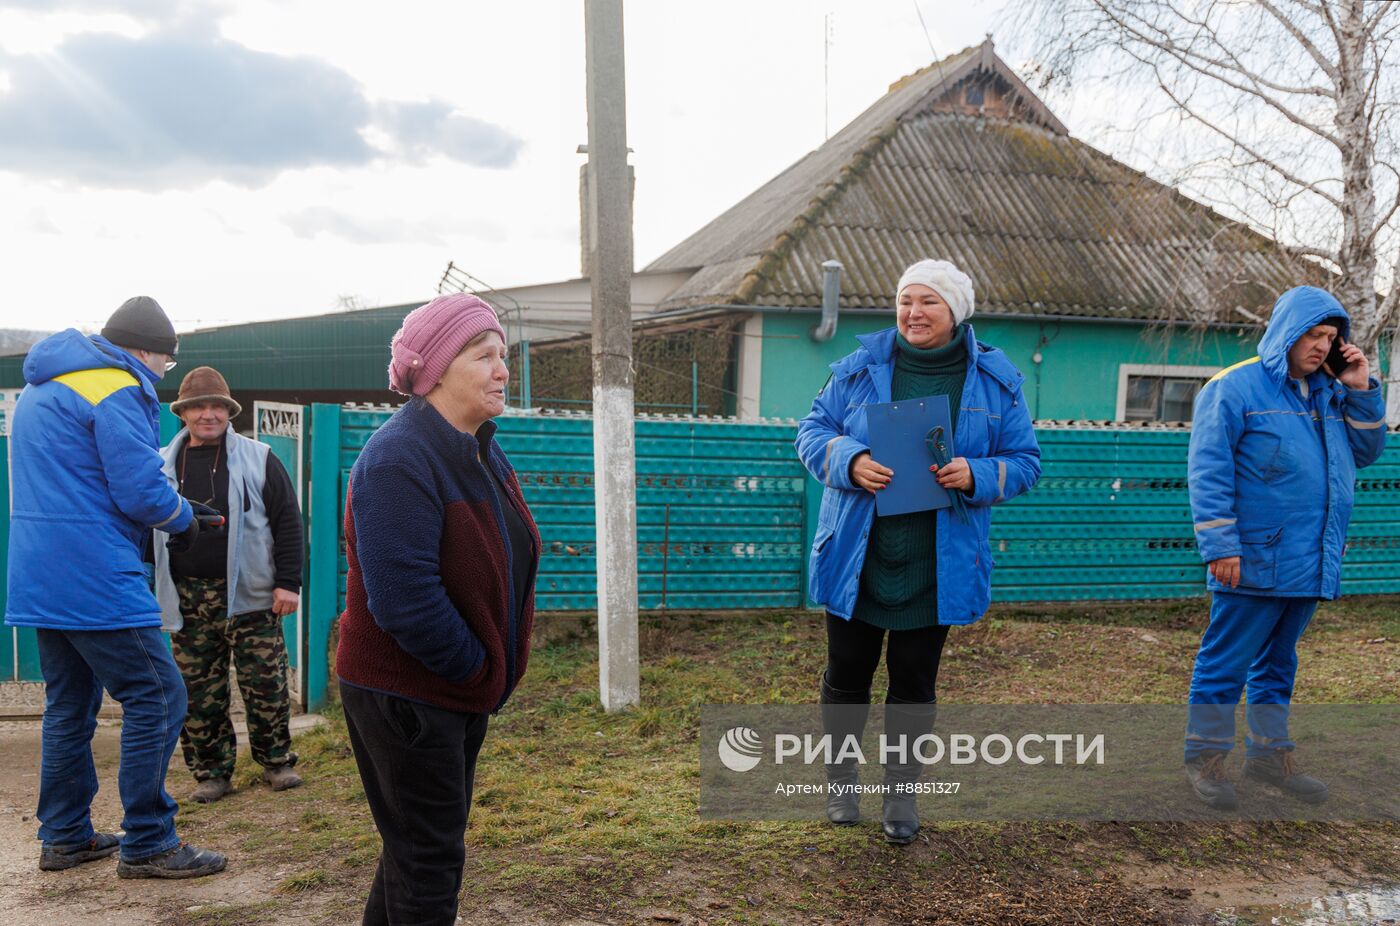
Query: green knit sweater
{"points": [[899, 581]]}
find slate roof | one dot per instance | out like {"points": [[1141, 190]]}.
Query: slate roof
{"points": [[1043, 223]]}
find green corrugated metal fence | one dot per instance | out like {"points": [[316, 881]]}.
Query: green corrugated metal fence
{"points": [[1111, 518], [725, 516], [719, 508]]}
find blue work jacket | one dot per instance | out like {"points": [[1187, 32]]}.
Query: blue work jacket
{"points": [[993, 432], [87, 488], [1273, 460]]}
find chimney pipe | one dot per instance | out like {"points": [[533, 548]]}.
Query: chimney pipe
{"points": [[831, 300]]}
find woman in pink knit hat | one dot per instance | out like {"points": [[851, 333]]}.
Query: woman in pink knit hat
{"points": [[439, 601]]}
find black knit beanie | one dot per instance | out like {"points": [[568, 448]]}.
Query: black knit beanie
{"points": [[141, 323], [1340, 322]]}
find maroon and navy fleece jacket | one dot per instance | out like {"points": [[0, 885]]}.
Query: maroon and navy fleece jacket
{"points": [[430, 609]]}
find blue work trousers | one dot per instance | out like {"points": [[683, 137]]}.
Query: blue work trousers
{"points": [[1250, 645]]}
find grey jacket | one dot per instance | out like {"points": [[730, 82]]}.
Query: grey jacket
{"points": [[251, 569]]}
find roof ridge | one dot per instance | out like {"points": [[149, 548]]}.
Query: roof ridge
{"points": [[805, 220], [912, 76]]}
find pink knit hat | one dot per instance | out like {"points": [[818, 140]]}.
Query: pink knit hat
{"points": [[431, 338]]}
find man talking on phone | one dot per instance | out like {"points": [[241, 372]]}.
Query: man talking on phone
{"points": [[1275, 445]]}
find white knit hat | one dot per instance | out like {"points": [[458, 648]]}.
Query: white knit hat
{"points": [[945, 279]]}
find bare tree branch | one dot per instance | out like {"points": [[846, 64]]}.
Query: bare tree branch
{"points": [[1239, 143], [1376, 18], [1384, 221], [1189, 58], [1289, 119], [1308, 45], [1387, 310]]}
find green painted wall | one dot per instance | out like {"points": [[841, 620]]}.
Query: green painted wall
{"points": [[1077, 376]]}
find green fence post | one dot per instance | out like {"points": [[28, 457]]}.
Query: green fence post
{"points": [[323, 529], [525, 399], [170, 424]]}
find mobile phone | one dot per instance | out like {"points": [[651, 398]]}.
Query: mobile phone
{"points": [[1337, 363]]}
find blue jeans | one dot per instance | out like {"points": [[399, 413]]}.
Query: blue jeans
{"points": [[1251, 644], [135, 667]]}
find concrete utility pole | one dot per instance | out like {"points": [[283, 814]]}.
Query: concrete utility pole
{"points": [[614, 443]]}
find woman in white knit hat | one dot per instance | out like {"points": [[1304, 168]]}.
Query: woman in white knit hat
{"points": [[910, 576]]}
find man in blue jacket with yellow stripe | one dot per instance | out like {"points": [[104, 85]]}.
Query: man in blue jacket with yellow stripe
{"points": [[87, 489], [1275, 445]]}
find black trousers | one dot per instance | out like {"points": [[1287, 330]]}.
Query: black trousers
{"points": [[417, 764], [853, 653]]}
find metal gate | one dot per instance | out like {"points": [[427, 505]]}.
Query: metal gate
{"points": [[283, 428]]}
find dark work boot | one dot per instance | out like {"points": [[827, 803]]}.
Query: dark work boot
{"points": [[59, 858], [210, 790], [281, 777], [843, 716], [900, 811], [1278, 769], [1207, 775], [183, 861]]}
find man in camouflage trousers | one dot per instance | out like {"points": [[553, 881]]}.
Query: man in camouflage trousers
{"points": [[225, 598], [202, 651]]}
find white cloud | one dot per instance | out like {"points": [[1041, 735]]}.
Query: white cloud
{"points": [[40, 223], [179, 108]]}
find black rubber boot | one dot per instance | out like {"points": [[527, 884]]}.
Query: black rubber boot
{"points": [[900, 815], [843, 715]]}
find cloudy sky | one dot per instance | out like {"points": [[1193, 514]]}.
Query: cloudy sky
{"points": [[246, 160]]}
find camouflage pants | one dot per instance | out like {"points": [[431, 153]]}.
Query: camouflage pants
{"points": [[202, 651]]}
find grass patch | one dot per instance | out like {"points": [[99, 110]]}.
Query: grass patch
{"points": [[303, 882], [250, 914]]}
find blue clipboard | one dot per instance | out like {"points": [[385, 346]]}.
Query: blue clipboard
{"points": [[898, 432]]}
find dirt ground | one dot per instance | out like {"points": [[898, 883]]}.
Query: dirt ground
{"points": [[92, 893], [597, 831]]}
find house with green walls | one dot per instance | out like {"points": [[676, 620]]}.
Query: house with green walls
{"points": [[1115, 295]]}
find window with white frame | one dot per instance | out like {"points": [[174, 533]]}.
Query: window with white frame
{"points": [[1158, 392]]}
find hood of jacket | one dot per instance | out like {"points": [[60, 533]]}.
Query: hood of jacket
{"points": [[1294, 313], [70, 350]]}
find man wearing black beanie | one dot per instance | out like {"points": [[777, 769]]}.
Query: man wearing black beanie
{"points": [[140, 324], [87, 489]]}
